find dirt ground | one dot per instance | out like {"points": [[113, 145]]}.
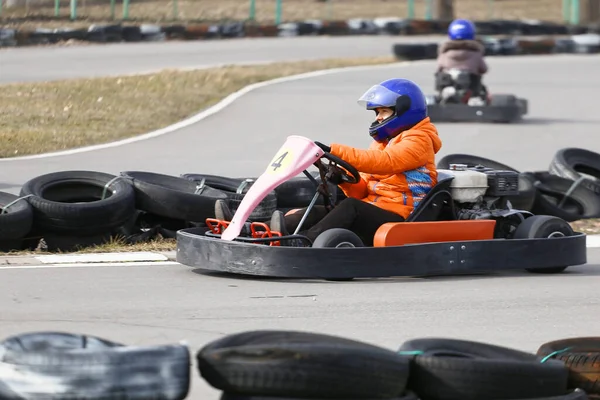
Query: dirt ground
{"points": [[41, 12]]}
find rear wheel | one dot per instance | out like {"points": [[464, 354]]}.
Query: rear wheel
{"points": [[544, 226], [503, 100]]}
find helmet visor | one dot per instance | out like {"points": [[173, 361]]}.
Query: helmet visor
{"points": [[378, 96]]}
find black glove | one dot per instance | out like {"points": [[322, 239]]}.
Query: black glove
{"points": [[334, 175], [324, 147]]}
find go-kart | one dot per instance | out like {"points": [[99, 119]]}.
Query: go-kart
{"points": [[464, 224], [461, 97]]}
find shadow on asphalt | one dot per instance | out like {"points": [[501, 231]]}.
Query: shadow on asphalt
{"points": [[572, 272]]}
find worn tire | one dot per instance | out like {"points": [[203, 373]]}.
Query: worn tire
{"points": [[405, 396], [230, 186], [582, 203], [542, 226], [448, 369], [572, 162], [172, 196], [18, 219], [302, 364], [38, 367], [582, 358], [527, 193], [71, 202]]}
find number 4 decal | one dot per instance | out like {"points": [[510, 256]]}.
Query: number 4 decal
{"points": [[277, 162]]}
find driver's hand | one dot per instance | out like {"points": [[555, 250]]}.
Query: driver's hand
{"points": [[334, 175], [323, 147]]}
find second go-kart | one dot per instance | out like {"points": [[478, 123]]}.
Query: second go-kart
{"points": [[461, 97], [465, 224]]}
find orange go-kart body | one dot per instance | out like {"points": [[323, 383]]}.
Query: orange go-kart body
{"points": [[395, 233]]}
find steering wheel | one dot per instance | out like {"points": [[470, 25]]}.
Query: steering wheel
{"points": [[349, 174]]}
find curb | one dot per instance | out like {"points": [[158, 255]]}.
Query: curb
{"points": [[112, 33], [125, 259]]}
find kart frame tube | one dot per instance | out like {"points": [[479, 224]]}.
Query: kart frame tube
{"points": [[429, 259]]}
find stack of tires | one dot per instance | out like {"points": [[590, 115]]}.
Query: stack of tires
{"points": [[280, 364], [77, 209]]}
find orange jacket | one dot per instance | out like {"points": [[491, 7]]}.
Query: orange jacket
{"points": [[398, 175]]}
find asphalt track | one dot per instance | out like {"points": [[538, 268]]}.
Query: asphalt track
{"points": [[162, 304]]}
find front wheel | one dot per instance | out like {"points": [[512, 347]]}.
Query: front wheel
{"points": [[544, 226], [338, 238]]}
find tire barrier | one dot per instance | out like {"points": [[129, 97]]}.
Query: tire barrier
{"points": [[107, 33], [287, 365], [507, 46], [69, 210]]}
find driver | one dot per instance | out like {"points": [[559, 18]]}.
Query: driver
{"points": [[397, 170], [462, 51]]}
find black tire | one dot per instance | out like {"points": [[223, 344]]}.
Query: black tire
{"points": [[16, 222], [581, 203], [71, 202], [302, 364], [448, 369], [172, 196], [236, 189], [527, 192], [299, 191], [93, 372], [338, 238], [576, 394], [543, 226], [572, 162], [581, 356], [503, 100], [406, 396]]}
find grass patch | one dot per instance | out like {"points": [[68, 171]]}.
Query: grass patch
{"points": [[159, 11], [588, 226], [115, 245], [50, 116]]}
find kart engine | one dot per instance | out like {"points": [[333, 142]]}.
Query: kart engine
{"points": [[480, 192]]}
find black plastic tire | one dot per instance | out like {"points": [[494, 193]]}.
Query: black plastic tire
{"points": [[582, 356], [299, 191], [406, 396], [230, 186], [172, 196], [16, 222], [71, 202], [38, 368], [448, 369], [302, 364], [572, 162], [581, 203], [543, 226]]}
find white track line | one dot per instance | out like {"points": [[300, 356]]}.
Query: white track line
{"points": [[94, 265], [146, 256], [214, 109]]}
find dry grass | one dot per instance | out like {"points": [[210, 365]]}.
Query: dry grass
{"points": [[587, 226], [158, 244], [42, 117], [161, 11]]}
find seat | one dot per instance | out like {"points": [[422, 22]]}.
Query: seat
{"points": [[435, 202]]}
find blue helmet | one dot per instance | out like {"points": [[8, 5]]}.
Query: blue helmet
{"points": [[461, 29], [402, 95]]}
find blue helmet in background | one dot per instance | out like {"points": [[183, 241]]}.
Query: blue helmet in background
{"points": [[402, 95], [461, 29]]}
